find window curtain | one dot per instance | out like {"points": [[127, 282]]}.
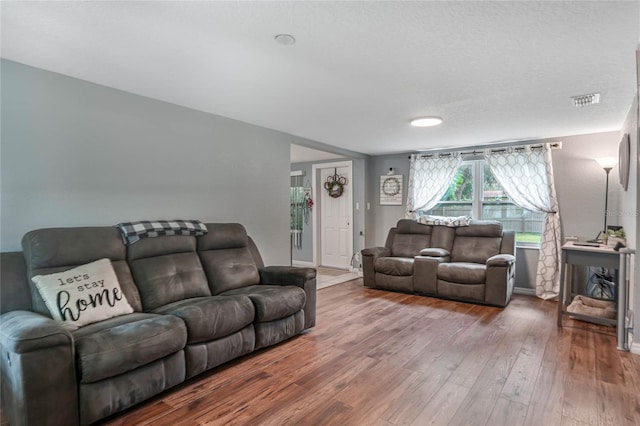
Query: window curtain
{"points": [[526, 174], [429, 178]]}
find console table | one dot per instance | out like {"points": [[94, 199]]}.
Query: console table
{"points": [[601, 256]]}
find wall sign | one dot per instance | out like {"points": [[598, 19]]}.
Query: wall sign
{"points": [[391, 190]]}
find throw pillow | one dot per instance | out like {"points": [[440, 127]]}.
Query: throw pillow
{"points": [[451, 222], [83, 295]]}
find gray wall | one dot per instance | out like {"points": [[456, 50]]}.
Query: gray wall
{"points": [[75, 153], [580, 186]]}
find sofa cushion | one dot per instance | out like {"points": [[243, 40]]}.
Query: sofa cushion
{"points": [[212, 317], [226, 256], [83, 295], [475, 249], [229, 269], [117, 345], [481, 228], [401, 266], [272, 302], [462, 272], [410, 237], [167, 269], [52, 250]]}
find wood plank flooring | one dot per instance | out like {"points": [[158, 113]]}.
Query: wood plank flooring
{"points": [[383, 358]]}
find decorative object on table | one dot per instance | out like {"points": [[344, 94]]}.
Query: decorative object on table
{"points": [[615, 236], [607, 163], [391, 189], [624, 151], [593, 307], [335, 184]]}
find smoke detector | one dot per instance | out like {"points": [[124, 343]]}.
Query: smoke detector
{"points": [[584, 100]]}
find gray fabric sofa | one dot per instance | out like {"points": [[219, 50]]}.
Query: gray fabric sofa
{"points": [[474, 263], [198, 302]]}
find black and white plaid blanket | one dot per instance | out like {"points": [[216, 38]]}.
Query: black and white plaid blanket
{"points": [[135, 231]]}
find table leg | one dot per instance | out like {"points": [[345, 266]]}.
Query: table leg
{"points": [[561, 293]]}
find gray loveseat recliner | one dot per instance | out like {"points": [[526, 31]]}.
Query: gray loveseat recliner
{"points": [[474, 263], [198, 302]]}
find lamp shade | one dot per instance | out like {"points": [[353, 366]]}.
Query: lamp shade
{"points": [[607, 162]]}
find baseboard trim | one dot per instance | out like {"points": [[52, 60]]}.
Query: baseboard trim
{"points": [[525, 291], [635, 348], [356, 271], [303, 264]]}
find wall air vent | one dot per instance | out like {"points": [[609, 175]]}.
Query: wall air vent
{"points": [[584, 100]]}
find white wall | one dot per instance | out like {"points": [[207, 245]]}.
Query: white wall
{"points": [[629, 207], [580, 183], [75, 153]]}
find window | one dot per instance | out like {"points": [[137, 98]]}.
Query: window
{"points": [[297, 200], [475, 192]]}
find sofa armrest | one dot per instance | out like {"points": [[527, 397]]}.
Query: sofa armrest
{"points": [[26, 331], [435, 252], [305, 278], [286, 275], [38, 370], [500, 279], [501, 260], [376, 252], [425, 273], [369, 256]]}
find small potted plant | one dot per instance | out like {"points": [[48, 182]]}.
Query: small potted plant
{"points": [[615, 236]]}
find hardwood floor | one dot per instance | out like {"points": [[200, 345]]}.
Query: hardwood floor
{"points": [[382, 358]]}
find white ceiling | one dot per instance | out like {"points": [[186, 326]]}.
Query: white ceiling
{"points": [[494, 71]]}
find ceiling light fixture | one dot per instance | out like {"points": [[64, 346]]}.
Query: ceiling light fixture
{"points": [[285, 39], [426, 121]]}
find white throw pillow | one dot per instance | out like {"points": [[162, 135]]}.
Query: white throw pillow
{"points": [[83, 295], [445, 221]]}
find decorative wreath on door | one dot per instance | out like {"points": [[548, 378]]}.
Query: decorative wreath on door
{"points": [[335, 184]]}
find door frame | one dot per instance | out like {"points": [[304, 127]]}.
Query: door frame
{"points": [[317, 186]]}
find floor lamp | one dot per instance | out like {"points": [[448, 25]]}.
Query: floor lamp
{"points": [[607, 163]]}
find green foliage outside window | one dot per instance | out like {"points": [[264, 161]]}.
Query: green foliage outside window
{"points": [[495, 204]]}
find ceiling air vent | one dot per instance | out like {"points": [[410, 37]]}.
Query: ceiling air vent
{"points": [[584, 100]]}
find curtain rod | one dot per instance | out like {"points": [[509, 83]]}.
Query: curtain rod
{"points": [[475, 152]]}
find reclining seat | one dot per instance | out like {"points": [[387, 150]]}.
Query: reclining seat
{"points": [[392, 267], [171, 280], [227, 255], [481, 267], [107, 356]]}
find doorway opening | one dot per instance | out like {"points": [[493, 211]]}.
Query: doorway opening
{"points": [[333, 217]]}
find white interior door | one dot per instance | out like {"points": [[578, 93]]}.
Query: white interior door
{"points": [[336, 224]]}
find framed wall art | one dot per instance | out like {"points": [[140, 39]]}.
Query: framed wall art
{"points": [[391, 190]]}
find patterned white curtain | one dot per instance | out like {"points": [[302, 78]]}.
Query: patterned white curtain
{"points": [[429, 177], [526, 174]]}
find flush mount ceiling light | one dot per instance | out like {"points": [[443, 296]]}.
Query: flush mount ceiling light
{"points": [[426, 121], [584, 100], [285, 39]]}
